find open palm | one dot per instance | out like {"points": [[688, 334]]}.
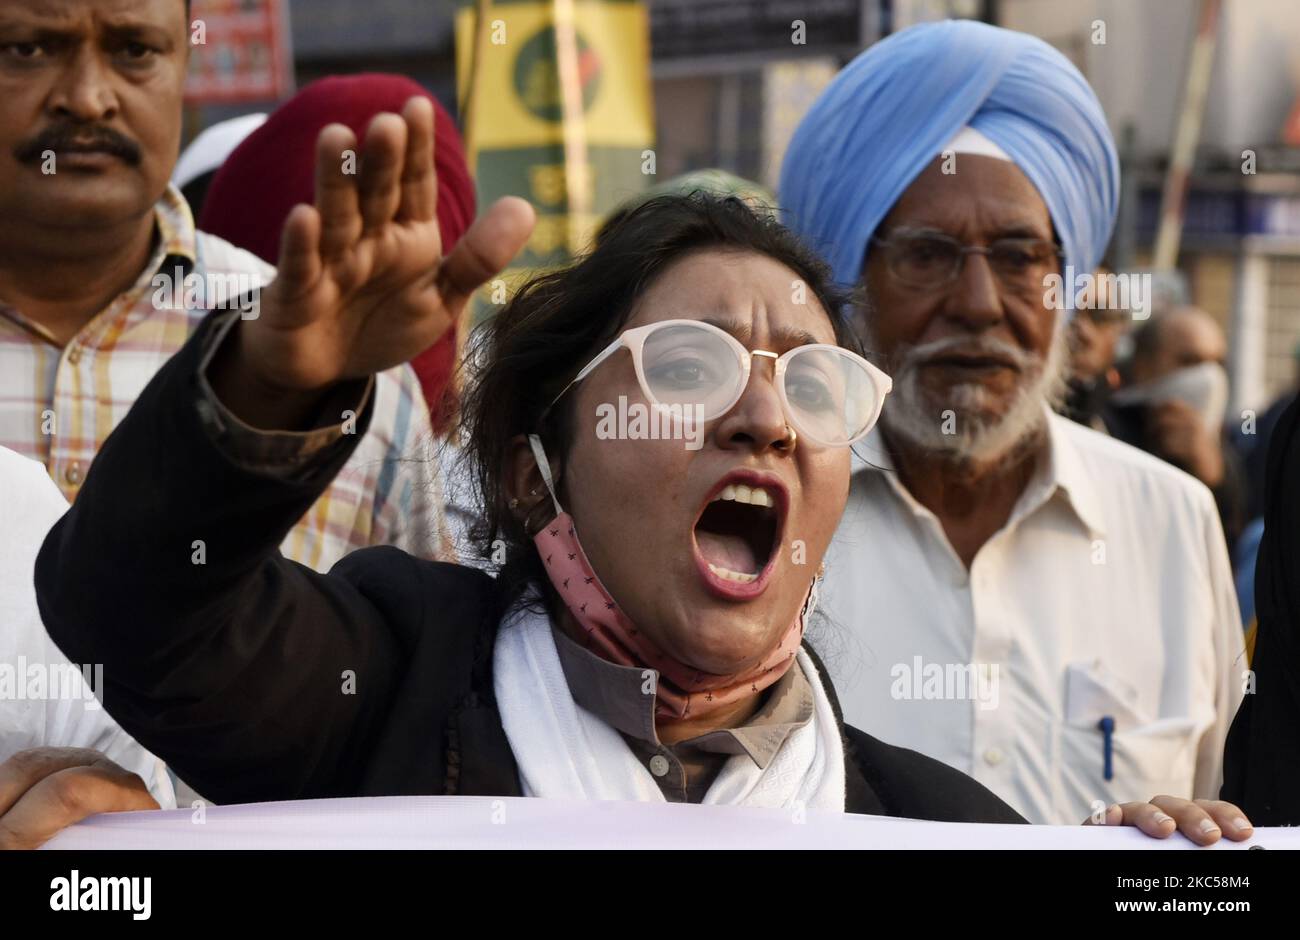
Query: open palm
{"points": [[363, 284]]}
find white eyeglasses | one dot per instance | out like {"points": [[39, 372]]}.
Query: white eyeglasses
{"points": [[830, 395]]}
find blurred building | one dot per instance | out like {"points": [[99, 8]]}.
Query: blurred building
{"points": [[340, 37], [732, 78], [1240, 248], [344, 37]]}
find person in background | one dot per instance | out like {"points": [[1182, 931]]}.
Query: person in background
{"points": [[58, 746], [273, 170], [1019, 596], [202, 159], [1250, 440], [1244, 560], [103, 275], [1094, 335], [718, 182], [1174, 403], [1262, 759]]}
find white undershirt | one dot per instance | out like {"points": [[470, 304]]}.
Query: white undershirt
{"points": [[64, 713]]}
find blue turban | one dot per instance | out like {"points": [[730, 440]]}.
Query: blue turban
{"points": [[891, 110]]}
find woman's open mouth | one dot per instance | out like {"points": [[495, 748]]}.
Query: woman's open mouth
{"points": [[738, 532]]}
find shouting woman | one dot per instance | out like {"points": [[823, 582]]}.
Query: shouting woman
{"points": [[644, 640]]}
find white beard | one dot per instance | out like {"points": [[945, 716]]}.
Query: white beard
{"points": [[976, 433]]}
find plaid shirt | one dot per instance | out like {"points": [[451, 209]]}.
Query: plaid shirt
{"points": [[59, 404]]}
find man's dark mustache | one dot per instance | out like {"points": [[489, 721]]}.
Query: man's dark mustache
{"points": [[63, 138]]}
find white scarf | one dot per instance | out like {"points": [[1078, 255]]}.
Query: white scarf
{"points": [[565, 752]]}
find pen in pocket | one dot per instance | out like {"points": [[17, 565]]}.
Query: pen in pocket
{"points": [[1107, 726]]}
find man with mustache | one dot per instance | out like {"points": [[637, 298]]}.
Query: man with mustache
{"points": [[1020, 597], [102, 278], [103, 275]]}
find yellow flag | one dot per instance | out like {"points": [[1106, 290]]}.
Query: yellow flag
{"points": [[556, 107]]}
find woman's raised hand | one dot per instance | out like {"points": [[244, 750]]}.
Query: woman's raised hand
{"points": [[363, 284]]}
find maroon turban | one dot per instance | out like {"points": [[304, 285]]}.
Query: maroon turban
{"points": [[275, 169]]}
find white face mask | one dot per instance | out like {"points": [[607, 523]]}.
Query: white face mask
{"points": [[1203, 386]]}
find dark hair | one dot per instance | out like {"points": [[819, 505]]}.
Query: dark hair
{"points": [[556, 322], [1146, 338]]}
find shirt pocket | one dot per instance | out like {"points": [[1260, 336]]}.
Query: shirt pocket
{"points": [[1156, 758]]}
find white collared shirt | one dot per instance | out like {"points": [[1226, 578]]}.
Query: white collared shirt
{"points": [[1108, 593], [45, 701]]}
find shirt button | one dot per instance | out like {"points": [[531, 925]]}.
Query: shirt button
{"points": [[993, 756], [74, 355], [658, 765], [73, 474]]}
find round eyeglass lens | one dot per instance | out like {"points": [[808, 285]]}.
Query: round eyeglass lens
{"points": [[830, 394], [691, 366]]}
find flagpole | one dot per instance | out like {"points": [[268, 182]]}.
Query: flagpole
{"points": [[1183, 157], [465, 108], [577, 168]]}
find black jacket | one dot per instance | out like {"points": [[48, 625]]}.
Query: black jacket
{"points": [[1261, 758], [258, 679]]}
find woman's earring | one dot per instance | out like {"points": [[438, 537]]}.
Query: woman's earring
{"points": [[514, 504]]}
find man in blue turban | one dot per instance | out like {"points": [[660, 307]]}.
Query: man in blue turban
{"points": [[895, 107], [1042, 607]]}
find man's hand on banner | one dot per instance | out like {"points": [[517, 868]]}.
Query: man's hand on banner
{"points": [[1202, 821], [46, 789]]}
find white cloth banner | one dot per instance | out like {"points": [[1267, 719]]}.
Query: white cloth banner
{"points": [[448, 822]]}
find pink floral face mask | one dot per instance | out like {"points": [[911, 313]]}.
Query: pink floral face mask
{"points": [[682, 690]]}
